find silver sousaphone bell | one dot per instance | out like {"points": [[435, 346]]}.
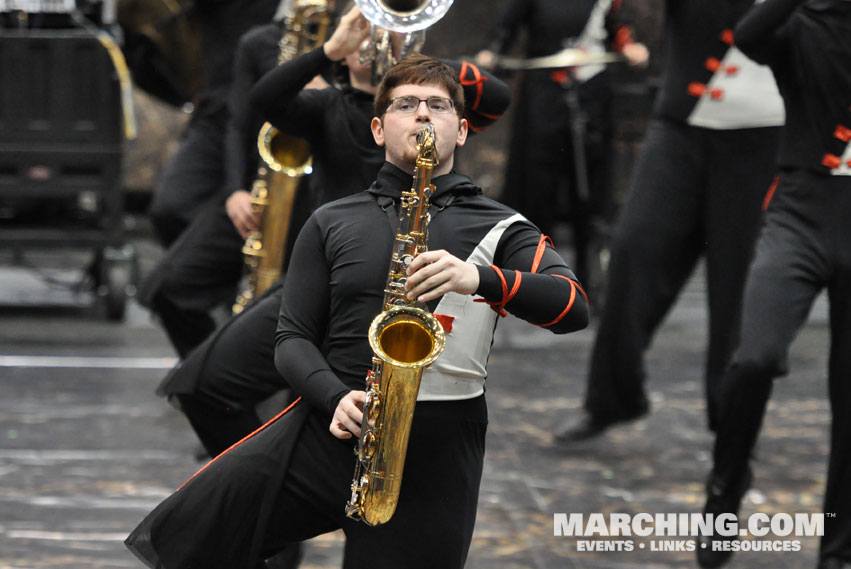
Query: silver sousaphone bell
{"points": [[408, 17]]}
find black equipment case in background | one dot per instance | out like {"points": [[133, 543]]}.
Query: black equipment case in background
{"points": [[62, 129]]}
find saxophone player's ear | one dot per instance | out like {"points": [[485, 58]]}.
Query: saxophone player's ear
{"points": [[463, 131], [377, 127]]}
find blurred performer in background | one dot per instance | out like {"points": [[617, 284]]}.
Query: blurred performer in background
{"points": [[201, 270], [803, 249], [542, 181], [219, 385], [290, 480], [195, 172], [705, 167]]}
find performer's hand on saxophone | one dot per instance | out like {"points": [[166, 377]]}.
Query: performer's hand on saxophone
{"points": [[348, 415], [434, 273], [242, 213]]}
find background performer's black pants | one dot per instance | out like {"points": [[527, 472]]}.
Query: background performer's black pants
{"points": [[695, 192], [804, 247]]}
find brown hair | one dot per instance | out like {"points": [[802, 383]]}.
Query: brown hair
{"points": [[418, 69]]}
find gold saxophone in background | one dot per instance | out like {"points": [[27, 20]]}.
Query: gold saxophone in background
{"points": [[285, 160], [405, 339]]}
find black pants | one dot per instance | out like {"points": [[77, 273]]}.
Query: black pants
{"points": [[433, 524], [197, 273], [694, 192], [221, 382], [247, 504], [804, 247]]}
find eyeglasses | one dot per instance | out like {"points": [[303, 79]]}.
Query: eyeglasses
{"points": [[409, 105]]}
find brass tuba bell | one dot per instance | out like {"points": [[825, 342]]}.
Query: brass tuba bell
{"points": [[403, 16], [408, 17]]}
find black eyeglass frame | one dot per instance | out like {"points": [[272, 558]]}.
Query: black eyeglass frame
{"points": [[419, 102]]}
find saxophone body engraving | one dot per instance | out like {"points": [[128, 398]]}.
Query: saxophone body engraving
{"points": [[405, 338]]}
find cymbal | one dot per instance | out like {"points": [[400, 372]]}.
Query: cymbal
{"points": [[570, 57]]}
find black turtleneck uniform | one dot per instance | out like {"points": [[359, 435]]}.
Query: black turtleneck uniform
{"points": [[195, 172], [706, 165], [804, 247], [290, 481]]}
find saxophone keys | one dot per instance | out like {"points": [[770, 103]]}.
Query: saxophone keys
{"points": [[373, 408], [367, 447]]}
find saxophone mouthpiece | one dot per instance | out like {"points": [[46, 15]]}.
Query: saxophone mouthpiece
{"points": [[427, 142]]}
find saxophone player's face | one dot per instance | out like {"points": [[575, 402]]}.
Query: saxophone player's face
{"points": [[397, 131]]}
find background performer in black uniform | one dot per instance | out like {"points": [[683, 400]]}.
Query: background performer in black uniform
{"points": [[202, 269], [540, 180], [290, 481], [804, 247], [705, 167], [220, 384], [194, 173]]}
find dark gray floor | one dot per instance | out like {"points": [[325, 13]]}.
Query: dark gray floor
{"points": [[87, 449]]}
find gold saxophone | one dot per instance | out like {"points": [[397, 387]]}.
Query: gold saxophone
{"points": [[285, 160], [405, 339]]}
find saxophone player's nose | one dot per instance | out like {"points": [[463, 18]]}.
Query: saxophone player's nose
{"points": [[423, 112]]}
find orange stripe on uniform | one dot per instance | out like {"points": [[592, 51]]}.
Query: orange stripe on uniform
{"points": [[574, 286], [539, 252], [242, 440], [770, 193], [498, 306]]}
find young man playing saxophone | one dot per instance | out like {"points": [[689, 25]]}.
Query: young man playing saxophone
{"points": [[291, 479]]}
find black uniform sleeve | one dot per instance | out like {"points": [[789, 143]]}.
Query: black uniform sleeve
{"points": [[297, 354], [278, 96], [242, 127], [758, 34], [531, 281]]}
